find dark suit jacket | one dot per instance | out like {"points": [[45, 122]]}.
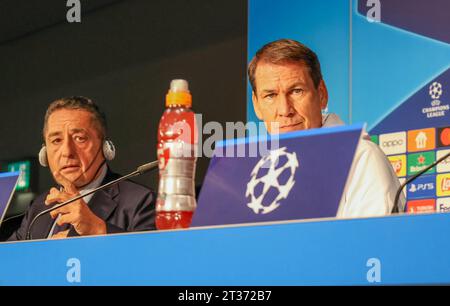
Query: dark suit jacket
{"points": [[125, 207]]}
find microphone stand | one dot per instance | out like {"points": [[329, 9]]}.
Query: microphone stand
{"points": [[396, 209], [140, 170]]}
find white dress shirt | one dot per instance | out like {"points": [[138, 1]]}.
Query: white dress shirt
{"points": [[372, 183]]}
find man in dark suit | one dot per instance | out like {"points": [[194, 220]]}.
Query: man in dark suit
{"points": [[76, 151]]}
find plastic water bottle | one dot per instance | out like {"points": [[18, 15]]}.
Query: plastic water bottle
{"points": [[177, 140]]}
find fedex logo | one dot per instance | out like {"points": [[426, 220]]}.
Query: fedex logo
{"points": [[444, 208], [443, 205], [423, 187]]}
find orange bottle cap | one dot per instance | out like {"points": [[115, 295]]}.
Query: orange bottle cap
{"points": [[179, 98], [179, 94]]}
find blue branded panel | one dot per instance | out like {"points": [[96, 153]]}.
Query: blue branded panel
{"points": [[420, 110], [423, 187], [256, 189], [404, 249], [431, 22], [402, 89], [388, 68], [384, 77], [8, 182]]}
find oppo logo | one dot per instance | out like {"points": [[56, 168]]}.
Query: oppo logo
{"points": [[392, 143]]}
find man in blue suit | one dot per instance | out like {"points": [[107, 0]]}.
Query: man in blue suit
{"points": [[76, 151]]}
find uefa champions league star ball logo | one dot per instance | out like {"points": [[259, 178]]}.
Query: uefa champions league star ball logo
{"points": [[267, 183], [435, 90]]}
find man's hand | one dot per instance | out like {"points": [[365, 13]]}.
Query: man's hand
{"points": [[61, 235], [77, 213]]}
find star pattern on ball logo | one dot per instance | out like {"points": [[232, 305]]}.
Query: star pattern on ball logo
{"points": [[435, 90], [270, 181]]}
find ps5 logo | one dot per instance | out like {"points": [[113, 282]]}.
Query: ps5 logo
{"points": [[271, 178], [421, 187]]}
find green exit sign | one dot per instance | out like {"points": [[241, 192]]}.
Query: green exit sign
{"points": [[24, 167]]}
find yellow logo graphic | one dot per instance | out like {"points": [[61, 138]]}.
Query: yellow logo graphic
{"points": [[443, 185], [398, 162]]}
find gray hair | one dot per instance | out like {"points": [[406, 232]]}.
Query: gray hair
{"points": [[78, 102]]}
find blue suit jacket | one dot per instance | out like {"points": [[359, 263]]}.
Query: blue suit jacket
{"points": [[125, 207]]}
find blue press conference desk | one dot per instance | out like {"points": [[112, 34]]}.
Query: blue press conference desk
{"points": [[400, 249]]}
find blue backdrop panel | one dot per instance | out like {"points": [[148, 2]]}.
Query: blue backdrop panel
{"points": [[321, 25], [416, 111], [313, 195], [399, 75], [390, 60], [401, 81], [390, 63]]}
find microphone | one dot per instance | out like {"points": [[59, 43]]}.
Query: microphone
{"points": [[396, 208], [140, 170]]}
